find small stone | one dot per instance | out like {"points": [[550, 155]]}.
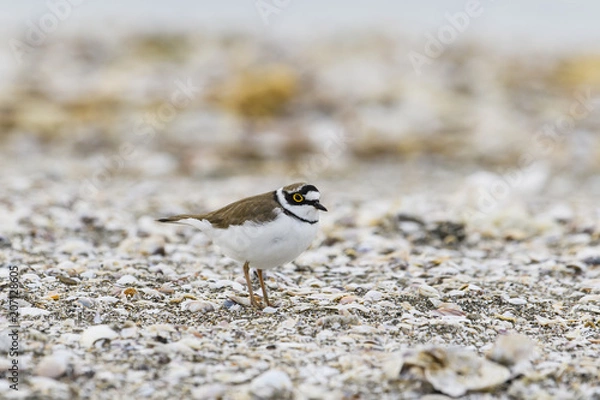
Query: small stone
{"points": [[592, 260], [67, 280], [4, 241]]}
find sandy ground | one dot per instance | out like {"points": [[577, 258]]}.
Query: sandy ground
{"points": [[113, 304]]}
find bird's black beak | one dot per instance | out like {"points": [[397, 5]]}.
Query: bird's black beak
{"points": [[319, 206]]}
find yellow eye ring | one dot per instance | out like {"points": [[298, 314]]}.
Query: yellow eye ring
{"points": [[298, 198]]}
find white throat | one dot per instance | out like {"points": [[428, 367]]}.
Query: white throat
{"points": [[304, 212]]}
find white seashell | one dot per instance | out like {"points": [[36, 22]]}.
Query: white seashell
{"points": [[448, 310], [314, 282], [108, 299], [273, 384], [66, 265], [354, 306], [152, 293], [373, 295], [145, 391], [164, 269], [30, 277], [517, 301], [75, 246], [573, 334], [175, 348], [474, 288], [167, 288], [347, 299], [197, 306], [127, 280], [453, 371], [131, 332], [88, 275], [193, 343], [592, 298], [95, 333], [176, 373], [153, 245], [511, 349], [244, 301], [54, 365], [48, 387], [227, 283], [428, 291], [86, 302], [209, 392], [32, 312]]}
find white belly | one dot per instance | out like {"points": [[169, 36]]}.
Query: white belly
{"points": [[263, 246]]}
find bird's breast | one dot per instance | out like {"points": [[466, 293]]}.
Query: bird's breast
{"points": [[266, 245]]}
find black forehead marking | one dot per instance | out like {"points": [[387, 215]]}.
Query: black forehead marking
{"points": [[308, 188]]}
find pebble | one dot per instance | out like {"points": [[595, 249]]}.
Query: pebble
{"points": [[4, 241]]}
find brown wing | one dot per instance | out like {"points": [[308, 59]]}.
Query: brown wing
{"points": [[260, 208]]}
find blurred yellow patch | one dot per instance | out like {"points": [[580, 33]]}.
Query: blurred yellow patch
{"points": [[579, 71], [258, 93]]}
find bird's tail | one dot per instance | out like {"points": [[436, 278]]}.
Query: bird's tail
{"points": [[184, 219]]}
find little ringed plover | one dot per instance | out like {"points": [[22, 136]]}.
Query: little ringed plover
{"points": [[262, 231]]}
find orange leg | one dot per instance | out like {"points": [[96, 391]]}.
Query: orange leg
{"points": [[249, 283], [262, 285]]}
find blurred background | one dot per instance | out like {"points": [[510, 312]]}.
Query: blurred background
{"points": [[481, 101]]}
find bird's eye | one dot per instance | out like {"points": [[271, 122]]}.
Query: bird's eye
{"points": [[298, 198]]}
